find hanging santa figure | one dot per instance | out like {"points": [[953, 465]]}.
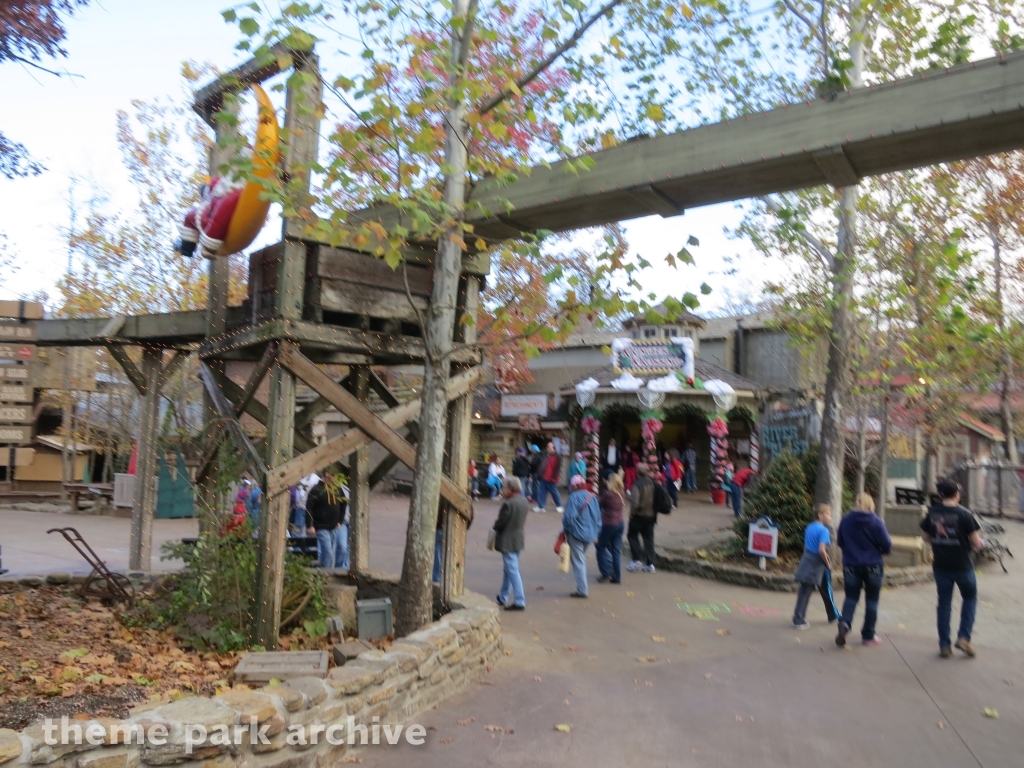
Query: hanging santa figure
{"points": [[231, 212]]}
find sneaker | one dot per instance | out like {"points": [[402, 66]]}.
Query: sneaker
{"points": [[560, 510], [963, 644], [500, 601], [538, 509], [945, 652], [636, 565], [516, 608], [871, 642], [805, 625], [602, 579], [648, 569], [841, 637], [577, 594]]}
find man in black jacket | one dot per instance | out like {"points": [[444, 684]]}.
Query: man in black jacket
{"points": [[509, 539], [521, 469], [642, 519], [953, 533], [326, 508]]}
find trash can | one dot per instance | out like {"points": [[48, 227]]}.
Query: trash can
{"points": [[374, 618]]}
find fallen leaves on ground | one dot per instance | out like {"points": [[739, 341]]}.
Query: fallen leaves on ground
{"points": [[80, 657], [658, 638], [723, 632], [563, 727], [467, 721], [498, 729], [647, 659], [537, 679], [989, 712], [572, 648]]}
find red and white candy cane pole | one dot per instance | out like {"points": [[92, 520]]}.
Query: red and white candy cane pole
{"points": [[755, 448]]}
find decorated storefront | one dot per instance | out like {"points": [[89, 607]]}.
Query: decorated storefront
{"points": [[655, 398]]}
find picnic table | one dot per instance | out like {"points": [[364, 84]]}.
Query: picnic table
{"points": [[101, 490]]}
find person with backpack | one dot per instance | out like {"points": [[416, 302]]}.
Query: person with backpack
{"points": [[581, 524], [642, 519]]}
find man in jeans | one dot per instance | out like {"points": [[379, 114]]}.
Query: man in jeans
{"points": [[863, 538], [690, 462], [510, 540], [642, 519], [326, 508], [953, 532], [547, 480]]}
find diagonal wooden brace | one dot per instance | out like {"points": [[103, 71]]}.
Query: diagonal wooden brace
{"points": [[381, 429], [227, 412]]}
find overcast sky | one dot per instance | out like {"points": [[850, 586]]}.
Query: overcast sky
{"points": [[127, 49]]}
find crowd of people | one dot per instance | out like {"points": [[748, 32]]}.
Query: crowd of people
{"points": [[598, 516]]}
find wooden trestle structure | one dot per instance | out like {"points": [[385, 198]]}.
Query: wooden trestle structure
{"points": [[311, 304]]}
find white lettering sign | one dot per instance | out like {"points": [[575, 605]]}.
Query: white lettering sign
{"points": [[524, 405]]}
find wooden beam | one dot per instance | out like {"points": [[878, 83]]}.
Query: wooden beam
{"points": [[656, 201], [836, 168], [120, 354], [338, 447], [361, 416], [227, 412], [169, 329], [208, 99], [359, 485], [256, 377], [256, 409], [388, 462], [144, 500]]}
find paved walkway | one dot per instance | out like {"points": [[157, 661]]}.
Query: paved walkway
{"points": [[743, 690]]}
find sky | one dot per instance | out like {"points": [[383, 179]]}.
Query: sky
{"points": [[132, 49]]}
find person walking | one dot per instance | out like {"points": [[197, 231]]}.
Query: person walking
{"points": [[642, 519], [581, 524], [953, 534], [324, 509], [815, 569], [536, 462], [863, 538], [609, 541], [509, 539], [254, 503], [612, 459], [549, 471], [629, 462], [521, 469], [495, 476], [690, 462], [670, 487], [578, 466], [739, 484]]}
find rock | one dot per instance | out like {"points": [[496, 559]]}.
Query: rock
{"points": [[437, 637], [43, 753], [58, 578], [350, 679], [305, 717], [459, 625], [455, 658], [275, 742], [110, 758], [31, 581], [419, 650], [311, 687], [292, 699], [10, 745], [248, 704], [407, 662], [382, 667], [379, 695], [345, 652], [198, 711]]}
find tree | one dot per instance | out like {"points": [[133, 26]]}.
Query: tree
{"points": [[449, 95], [31, 32], [780, 494]]}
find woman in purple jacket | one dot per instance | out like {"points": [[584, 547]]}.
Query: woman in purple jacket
{"points": [[863, 539]]}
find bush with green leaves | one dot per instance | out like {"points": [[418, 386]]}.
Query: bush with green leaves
{"points": [[780, 493], [211, 603]]}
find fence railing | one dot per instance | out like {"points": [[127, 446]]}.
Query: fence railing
{"points": [[992, 488]]}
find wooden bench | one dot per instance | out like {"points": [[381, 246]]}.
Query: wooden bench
{"points": [[100, 490]]}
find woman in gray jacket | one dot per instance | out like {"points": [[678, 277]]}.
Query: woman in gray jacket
{"points": [[509, 540]]}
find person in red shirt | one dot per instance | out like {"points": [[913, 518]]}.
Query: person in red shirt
{"points": [[548, 474], [739, 482]]}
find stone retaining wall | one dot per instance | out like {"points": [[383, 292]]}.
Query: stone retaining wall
{"points": [[776, 582], [417, 672]]}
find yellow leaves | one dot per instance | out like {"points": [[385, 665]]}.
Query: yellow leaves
{"points": [[75, 653], [658, 638], [608, 140], [687, 11], [71, 673], [563, 728], [647, 659]]}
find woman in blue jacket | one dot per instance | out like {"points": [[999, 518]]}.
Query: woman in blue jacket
{"points": [[581, 523], [863, 538]]}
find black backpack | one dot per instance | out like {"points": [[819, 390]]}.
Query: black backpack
{"points": [[662, 501]]}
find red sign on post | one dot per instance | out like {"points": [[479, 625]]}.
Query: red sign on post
{"points": [[763, 538]]}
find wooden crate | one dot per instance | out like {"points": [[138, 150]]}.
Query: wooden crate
{"points": [[261, 668]]}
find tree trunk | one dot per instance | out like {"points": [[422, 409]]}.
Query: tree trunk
{"points": [[883, 457], [1005, 409], [862, 449], [415, 595], [828, 486]]}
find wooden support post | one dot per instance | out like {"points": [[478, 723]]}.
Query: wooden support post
{"points": [[359, 487], [460, 420], [274, 520], [144, 502]]}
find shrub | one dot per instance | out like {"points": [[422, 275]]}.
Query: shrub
{"points": [[780, 494]]}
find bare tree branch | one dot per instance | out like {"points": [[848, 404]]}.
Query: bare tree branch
{"points": [[826, 256], [534, 73]]}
